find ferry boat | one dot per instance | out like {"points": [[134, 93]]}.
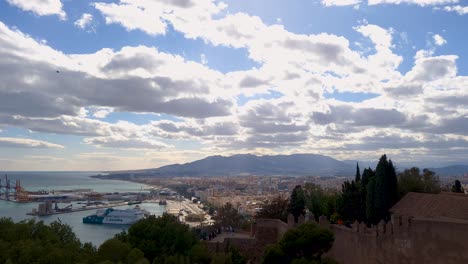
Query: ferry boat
{"points": [[116, 216]]}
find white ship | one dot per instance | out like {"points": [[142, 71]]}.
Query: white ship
{"points": [[116, 216]]}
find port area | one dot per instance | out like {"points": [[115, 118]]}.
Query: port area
{"points": [[46, 209], [188, 212]]}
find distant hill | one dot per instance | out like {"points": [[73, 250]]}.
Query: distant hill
{"points": [[247, 164], [455, 171], [277, 165]]}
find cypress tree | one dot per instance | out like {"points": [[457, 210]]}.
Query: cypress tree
{"points": [[381, 190], [296, 205], [358, 173], [367, 175], [392, 185], [370, 202], [457, 187]]}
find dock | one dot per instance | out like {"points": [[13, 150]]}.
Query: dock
{"points": [[48, 209]]}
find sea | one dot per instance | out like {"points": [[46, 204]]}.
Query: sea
{"points": [[36, 181]]}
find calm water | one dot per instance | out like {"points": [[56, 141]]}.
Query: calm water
{"points": [[95, 234]]}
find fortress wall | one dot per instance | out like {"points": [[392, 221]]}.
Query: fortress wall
{"points": [[407, 241]]}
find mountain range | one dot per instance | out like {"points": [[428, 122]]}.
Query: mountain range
{"points": [[277, 165]]}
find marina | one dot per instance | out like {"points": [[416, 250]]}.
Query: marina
{"points": [[71, 197], [45, 209]]}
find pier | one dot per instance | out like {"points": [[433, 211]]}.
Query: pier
{"points": [[45, 209]]}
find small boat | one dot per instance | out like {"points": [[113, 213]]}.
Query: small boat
{"points": [[162, 202], [116, 216]]}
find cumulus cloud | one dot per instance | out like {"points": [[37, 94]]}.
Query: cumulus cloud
{"points": [[105, 79], [413, 2], [126, 143], [439, 40], [8, 142], [41, 8], [340, 2], [433, 68], [281, 105], [84, 21], [461, 10]]}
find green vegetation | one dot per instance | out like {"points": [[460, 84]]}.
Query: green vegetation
{"points": [[35, 242], [369, 196], [153, 240], [303, 244], [296, 205], [410, 180], [319, 201], [277, 208], [228, 216], [457, 188]]}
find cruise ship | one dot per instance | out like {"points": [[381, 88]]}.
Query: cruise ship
{"points": [[116, 216]]}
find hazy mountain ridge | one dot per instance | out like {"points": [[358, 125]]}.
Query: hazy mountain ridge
{"points": [[276, 165], [248, 164], [454, 170]]}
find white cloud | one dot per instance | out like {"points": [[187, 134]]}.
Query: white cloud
{"points": [[163, 83], [203, 59], [461, 10], [413, 2], [102, 112], [340, 2], [439, 40], [279, 106], [151, 16], [126, 143], [84, 21], [8, 142], [42, 7]]}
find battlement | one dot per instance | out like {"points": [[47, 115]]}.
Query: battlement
{"points": [[402, 240]]}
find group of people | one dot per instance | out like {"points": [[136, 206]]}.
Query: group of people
{"points": [[211, 235]]}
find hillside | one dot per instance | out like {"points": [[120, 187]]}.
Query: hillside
{"points": [[247, 164], [454, 171]]}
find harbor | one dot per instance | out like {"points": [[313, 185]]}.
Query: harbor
{"points": [[45, 209]]}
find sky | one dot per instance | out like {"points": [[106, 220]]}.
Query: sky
{"points": [[132, 84]]}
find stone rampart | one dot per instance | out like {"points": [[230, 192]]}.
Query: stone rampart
{"points": [[403, 240]]}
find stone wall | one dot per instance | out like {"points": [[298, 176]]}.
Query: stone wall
{"points": [[402, 240]]}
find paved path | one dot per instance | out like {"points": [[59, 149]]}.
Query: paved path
{"points": [[220, 238]]}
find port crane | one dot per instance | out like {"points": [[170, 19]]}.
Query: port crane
{"points": [[8, 191]]}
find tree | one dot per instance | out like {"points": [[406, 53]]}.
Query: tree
{"points": [[349, 204], [431, 181], [410, 180], [227, 215], [114, 250], [385, 190], [370, 202], [308, 241], [277, 208], [357, 177], [35, 242], [319, 201], [457, 188], [296, 205], [160, 237]]}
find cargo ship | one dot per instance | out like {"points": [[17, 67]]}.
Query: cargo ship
{"points": [[116, 216]]}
